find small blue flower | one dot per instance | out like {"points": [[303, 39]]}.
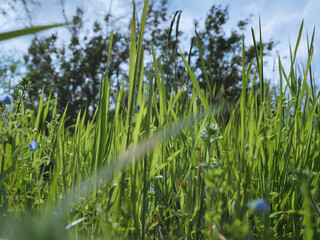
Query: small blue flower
{"points": [[259, 206], [204, 134], [137, 109], [33, 145], [6, 99]]}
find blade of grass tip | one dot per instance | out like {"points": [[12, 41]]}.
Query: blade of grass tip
{"points": [[119, 104], [261, 63], [288, 85], [298, 42], [45, 113], [171, 26], [177, 25], [243, 98], [310, 47], [304, 84], [190, 53], [176, 98], [140, 92], [165, 97], [25, 31], [204, 66], [163, 88], [76, 140], [39, 111], [195, 83], [162, 98], [256, 50], [252, 86], [132, 64], [143, 23], [280, 106], [259, 60], [294, 84], [311, 72], [54, 111], [110, 48], [293, 59]]}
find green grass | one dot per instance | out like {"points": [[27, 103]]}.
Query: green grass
{"points": [[177, 169]]}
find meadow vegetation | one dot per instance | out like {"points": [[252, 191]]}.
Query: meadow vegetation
{"points": [[165, 167]]}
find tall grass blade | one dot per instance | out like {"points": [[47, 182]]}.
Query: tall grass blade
{"points": [[26, 31]]}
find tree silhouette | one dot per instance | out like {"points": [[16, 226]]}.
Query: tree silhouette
{"points": [[73, 71]]}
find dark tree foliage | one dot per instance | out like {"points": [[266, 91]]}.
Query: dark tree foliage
{"points": [[163, 33], [73, 71], [223, 54]]}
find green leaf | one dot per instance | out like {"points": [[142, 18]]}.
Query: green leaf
{"points": [[26, 31]]}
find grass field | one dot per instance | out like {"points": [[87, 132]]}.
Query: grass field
{"points": [[167, 167]]}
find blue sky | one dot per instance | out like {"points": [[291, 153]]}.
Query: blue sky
{"points": [[280, 19]]}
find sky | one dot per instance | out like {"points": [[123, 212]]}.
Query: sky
{"points": [[280, 21]]}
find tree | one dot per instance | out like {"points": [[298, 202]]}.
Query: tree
{"points": [[73, 71], [223, 54]]}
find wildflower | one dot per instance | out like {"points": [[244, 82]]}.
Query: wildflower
{"points": [[33, 145], [6, 99], [137, 109], [259, 206]]}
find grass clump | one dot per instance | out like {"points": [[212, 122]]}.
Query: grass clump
{"points": [[165, 167]]}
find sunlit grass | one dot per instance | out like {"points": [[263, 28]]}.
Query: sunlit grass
{"points": [[172, 168]]}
